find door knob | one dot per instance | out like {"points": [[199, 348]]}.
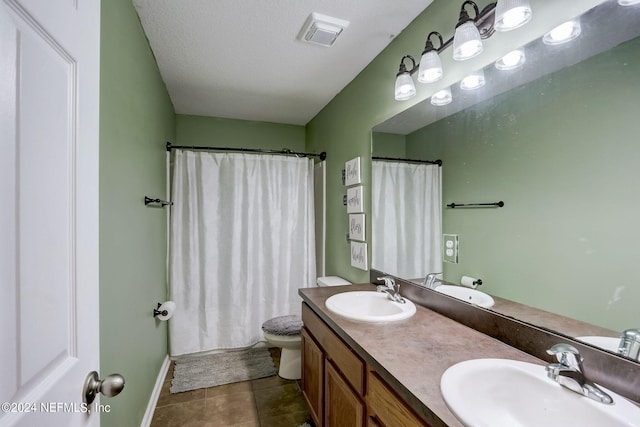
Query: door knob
{"points": [[109, 387]]}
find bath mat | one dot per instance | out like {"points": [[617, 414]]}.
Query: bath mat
{"points": [[191, 373]]}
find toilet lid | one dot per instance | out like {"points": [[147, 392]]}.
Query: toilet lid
{"points": [[283, 325]]}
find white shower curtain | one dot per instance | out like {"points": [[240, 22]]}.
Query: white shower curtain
{"points": [[407, 219], [242, 243]]}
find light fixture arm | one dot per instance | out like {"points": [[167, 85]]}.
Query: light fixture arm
{"points": [[464, 16], [403, 68], [428, 46]]}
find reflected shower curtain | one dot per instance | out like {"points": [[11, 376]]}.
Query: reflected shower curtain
{"points": [[407, 219], [242, 243]]}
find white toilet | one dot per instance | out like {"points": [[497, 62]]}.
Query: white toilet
{"points": [[284, 332]]}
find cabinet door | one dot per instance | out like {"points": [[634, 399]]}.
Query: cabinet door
{"points": [[385, 408], [343, 407], [312, 376]]}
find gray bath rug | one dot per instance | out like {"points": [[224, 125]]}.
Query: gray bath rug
{"points": [[191, 373]]}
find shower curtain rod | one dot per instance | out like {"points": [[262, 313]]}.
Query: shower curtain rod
{"points": [[433, 162], [321, 156]]}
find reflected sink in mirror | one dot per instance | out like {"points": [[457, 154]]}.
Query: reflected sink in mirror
{"points": [[367, 306], [605, 343], [501, 392], [469, 295]]}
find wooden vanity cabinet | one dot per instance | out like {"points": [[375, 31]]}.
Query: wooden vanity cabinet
{"points": [[332, 376], [334, 379]]}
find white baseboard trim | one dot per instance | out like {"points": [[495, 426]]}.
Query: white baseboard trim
{"points": [[155, 394]]}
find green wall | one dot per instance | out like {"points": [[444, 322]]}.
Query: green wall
{"points": [[389, 145], [218, 132], [562, 153], [136, 118]]}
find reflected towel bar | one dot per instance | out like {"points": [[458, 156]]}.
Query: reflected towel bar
{"points": [[476, 205]]}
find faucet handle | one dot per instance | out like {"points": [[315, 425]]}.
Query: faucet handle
{"points": [[389, 282], [567, 355]]}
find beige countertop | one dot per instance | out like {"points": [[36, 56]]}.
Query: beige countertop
{"points": [[412, 354]]}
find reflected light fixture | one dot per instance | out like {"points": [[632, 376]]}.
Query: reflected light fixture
{"points": [[442, 97], [511, 60], [511, 14], [474, 80], [563, 33], [466, 40], [430, 65], [628, 2], [405, 88]]}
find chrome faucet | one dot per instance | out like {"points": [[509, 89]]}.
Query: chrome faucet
{"points": [[430, 281], [630, 344], [391, 288], [568, 373]]}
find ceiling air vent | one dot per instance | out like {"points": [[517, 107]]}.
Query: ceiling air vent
{"points": [[322, 29]]}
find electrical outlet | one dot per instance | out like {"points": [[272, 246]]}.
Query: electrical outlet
{"points": [[450, 248]]}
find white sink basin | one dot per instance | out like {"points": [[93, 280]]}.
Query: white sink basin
{"points": [[605, 343], [507, 393], [472, 296], [369, 306]]}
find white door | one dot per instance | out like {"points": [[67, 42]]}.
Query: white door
{"points": [[49, 94]]}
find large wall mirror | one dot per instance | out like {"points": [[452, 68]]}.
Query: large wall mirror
{"points": [[558, 140]]}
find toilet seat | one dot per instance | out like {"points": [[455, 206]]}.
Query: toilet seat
{"points": [[283, 326]]}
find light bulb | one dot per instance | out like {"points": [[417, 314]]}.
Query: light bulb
{"points": [[405, 88], [512, 14], [442, 97], [563, 33], [430, 67], [511, 60], [466, 42], [474, 80]]}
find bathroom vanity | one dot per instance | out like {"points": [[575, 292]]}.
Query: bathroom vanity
{"points": [[357, 373]]}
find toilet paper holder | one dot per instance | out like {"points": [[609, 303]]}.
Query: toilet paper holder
{"points": [[470, 282], [164, 311]]}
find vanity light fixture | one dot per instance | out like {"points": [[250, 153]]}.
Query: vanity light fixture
{"points": [[430, 69], [502, 15], [442, 97], [474, 80], [628, 2], [405, 88], [511, 14], [563, 33], [511, 60], [466, 41]]}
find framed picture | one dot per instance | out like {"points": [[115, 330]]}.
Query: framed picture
{"points": [[352, 172], [355, 201], [359, 255], [356, 227]]}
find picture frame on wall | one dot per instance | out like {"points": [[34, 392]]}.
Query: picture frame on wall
{"points": [[359, 255], [355, 199], [352, 172], [357, 227]]}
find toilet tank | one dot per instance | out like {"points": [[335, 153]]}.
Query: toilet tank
{"points": [[331, 281]]}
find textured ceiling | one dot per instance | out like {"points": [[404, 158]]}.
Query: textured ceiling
{"points": [[241, 59]]}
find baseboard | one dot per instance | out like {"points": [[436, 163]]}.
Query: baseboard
{"points": [[155, 394]]}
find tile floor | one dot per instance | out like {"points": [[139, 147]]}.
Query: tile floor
{"points": [[266, 402]]}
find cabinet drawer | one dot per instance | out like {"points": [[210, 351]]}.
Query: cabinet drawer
{"points": [[349, 364], [385, 408]]}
